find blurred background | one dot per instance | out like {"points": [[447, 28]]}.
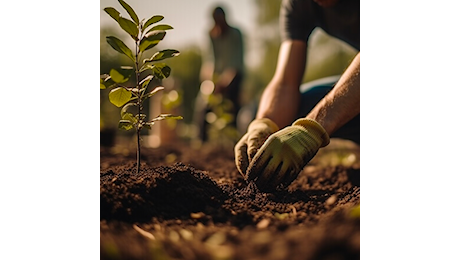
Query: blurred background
{"points": [[192, 20]]}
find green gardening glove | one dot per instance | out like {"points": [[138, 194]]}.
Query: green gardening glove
{"points": [[281, 158], [246, 148]]}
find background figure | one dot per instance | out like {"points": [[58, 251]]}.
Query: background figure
{"points": [[224, 68]]}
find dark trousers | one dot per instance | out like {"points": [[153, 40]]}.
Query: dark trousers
{"points": [[230, 93], [312, 92]]}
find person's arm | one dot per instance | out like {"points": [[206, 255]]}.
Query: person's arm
{"points": [[283, 155], [281, 98], [225, 78], [341, 104]]}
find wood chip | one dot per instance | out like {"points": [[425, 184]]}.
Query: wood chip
{"points": [[263, 223], [197, 215], [294, 211], [143, 232], [331, 200]]}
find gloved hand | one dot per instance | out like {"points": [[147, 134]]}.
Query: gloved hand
{"points": [[285, 153], [258, 131]]}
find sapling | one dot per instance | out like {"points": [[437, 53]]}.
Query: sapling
{"points": [[145, 35]]}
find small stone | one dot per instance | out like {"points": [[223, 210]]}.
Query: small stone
{"points": [[331, 200]]}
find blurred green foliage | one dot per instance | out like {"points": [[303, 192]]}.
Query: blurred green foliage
{"points": [[355, 211], [326, 56], [187, 74]]}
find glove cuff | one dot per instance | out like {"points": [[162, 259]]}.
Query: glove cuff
{"points": [[256, 122], [312, 125]]}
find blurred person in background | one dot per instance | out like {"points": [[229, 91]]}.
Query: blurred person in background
{"points": [[222, 70], [294, 121]]}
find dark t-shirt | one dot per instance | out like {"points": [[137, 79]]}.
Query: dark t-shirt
{"points": [[228, 51], [298, 18]]}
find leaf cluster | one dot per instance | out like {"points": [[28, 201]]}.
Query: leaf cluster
{"points": [[146, 34]]}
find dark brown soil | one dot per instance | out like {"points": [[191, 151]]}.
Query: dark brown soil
{"points": [[193, 204]]}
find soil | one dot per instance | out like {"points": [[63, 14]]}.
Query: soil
{"points": [[193, 204]]}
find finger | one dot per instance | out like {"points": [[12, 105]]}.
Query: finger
{"points": [[258, 164], [270, 178], [255, 141], [241, 156], [280, 174], [290, 176], [308, 156], [262, 159]]}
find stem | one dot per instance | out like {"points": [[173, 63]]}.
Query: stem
{"points": [[138, 150], [139, 105]]}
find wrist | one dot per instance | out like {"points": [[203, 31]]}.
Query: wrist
{"points": [[315, 128], [266, 121]]}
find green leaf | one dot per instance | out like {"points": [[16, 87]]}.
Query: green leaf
{"points": [[129, 27], [161, 70], [146, 81], [130, 11], [120, 75], [124, 23], [113, 13], [125, 125], [136, 90], [152, 20], [129, 117], [166, 116], [145, 67], [106, 81], [120, 46], [107, 84], [119, 96], [164, 54], [161, 27], [151, 39], [102, 80], [104, 76], [154, 91], [125, 108]]}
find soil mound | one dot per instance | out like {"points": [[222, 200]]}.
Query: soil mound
{"points": [[178, 212], [167, 191]]}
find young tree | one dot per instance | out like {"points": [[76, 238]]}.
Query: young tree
{"points": [[145, 35]]}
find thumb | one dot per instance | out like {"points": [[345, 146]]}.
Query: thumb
{"points": [[255, 141], [241, 156], [258, 131]]}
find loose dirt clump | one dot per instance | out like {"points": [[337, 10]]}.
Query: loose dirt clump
{"points": [[165, 191]]}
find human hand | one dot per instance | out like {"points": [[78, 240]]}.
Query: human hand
{"points": [[285, 153], [258, 131]]}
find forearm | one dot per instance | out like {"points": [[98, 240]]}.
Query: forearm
{"points": [[226, 77], [279, 103], [341, 104], [281, 98]]}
